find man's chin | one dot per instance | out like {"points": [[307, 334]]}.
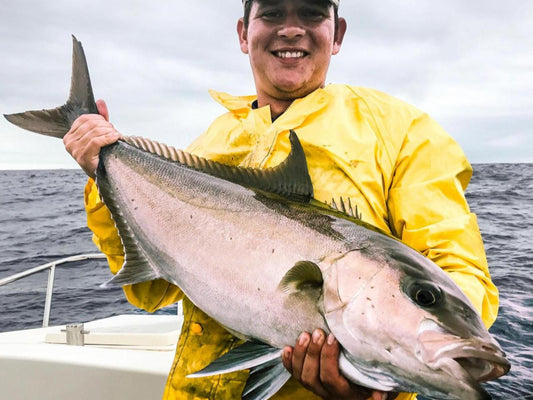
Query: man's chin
{"points": [[292, 90]]}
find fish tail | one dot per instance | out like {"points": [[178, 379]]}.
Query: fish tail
{"points": [[56, 122]]}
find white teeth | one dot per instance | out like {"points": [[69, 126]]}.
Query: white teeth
{"points": [[290, 54]]}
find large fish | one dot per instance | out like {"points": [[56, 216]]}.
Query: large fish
{"points": [[256, 252]]}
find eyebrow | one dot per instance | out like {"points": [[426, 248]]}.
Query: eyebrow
{"points": [[268, 2], [320, 2], [275, 2]]}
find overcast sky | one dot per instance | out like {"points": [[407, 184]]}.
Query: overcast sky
{"points": [[468, 63]]}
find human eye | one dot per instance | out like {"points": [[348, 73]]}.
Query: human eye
{"points": [[314, 14], [271, 14]]}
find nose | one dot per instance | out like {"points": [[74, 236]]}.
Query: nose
{"points": [[291, 28]]}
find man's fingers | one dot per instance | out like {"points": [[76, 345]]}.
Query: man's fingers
{"points": [[87, 135], [88, 156], [329, 372], [298, 354], [79, 126], [314, 362], [95, 143], [87, 138], [330, 376], [286, 358], [306, 361], [311, 369], [332, 379], [377, 395], [102, 109], [81, 141]]}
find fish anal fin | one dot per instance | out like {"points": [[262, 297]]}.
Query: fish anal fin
{"points": [[304, 275], [133, 271], [137, 267]]}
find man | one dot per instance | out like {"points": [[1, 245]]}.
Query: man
{"points": [[406, 175]]}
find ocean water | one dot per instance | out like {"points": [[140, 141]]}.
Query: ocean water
{"points": [[42, 219]]}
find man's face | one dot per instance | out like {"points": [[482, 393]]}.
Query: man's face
{"points": [[290, 44]]}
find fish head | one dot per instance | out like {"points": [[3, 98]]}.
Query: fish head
{"points": [[405, 325]]}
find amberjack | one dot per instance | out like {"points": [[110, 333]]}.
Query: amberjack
{"points": [[255, 251]]}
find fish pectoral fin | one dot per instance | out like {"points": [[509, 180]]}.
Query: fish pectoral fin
{"points": [[248, 355], [304, 275], [265, 380], [267, 373]]}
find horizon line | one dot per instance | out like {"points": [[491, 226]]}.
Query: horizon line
{"points": [[27, 167]]}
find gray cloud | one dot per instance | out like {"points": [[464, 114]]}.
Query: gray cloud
{"points": [[468, 64]]}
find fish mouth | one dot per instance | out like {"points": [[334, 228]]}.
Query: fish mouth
{"points": [[472, 360], [481, 365]]}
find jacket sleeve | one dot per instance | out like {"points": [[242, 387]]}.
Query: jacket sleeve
{"points": [[150, 295], [428, 211]]}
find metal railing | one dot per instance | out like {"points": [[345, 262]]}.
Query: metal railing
{"points": [[51, 267]]}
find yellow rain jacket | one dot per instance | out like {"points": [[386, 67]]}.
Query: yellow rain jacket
{"points": [[401, 169]]}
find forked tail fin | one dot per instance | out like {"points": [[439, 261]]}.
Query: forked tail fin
{"points": [[57, 122]]}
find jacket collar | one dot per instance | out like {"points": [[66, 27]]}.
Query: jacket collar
{"points": [[241, 106]]}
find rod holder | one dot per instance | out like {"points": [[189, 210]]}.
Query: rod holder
{"points": [[75, 334]]}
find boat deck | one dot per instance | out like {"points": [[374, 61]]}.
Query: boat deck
{"points": [[124, 357]]}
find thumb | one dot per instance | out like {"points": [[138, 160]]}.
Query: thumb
{"points": [[102, 109]]}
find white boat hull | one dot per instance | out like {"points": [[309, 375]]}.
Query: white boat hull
{"points": [[137, 368]]}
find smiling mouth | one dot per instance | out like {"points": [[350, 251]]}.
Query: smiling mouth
{"points": [[288, 54]]}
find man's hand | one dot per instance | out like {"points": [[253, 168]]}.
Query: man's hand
{"points": [[88, 134], [314, 361]]}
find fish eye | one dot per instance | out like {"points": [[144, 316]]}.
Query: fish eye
{"points": [[425, 294], [425, 297]]}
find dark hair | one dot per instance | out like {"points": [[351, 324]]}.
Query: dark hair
{"points": [[248, 8], [246, 17]]}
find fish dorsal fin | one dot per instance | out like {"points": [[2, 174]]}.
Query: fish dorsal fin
{"points": [[346, 207], [304, 274], [290, 179]]}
